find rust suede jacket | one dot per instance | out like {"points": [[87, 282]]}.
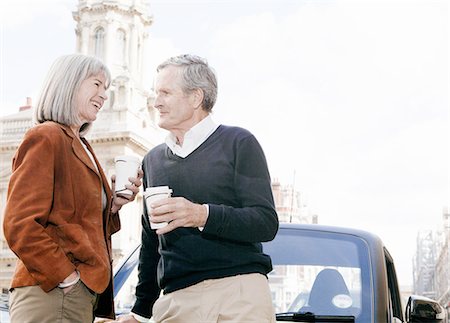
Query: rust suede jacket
{"points": [[54, 220]]}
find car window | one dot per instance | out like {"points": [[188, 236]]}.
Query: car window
{"points": [[320, 272], [125, 298], [322, 290]]}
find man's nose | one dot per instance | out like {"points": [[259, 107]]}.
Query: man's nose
{"points": [[157, 103]]}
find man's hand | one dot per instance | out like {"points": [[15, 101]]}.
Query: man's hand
{"points": [[178, 212], [119, 201]]}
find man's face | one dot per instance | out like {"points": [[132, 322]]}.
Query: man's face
{"points": [[176, 108]]}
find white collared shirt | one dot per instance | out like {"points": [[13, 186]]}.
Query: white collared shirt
{"points": [[193, 138]]}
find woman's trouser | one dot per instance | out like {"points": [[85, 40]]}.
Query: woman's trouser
{"points": [[32, 305]]}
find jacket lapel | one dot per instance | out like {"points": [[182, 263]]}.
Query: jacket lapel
{"points": [[104, 182], [100, 171], [82, 155], [79, 150]]}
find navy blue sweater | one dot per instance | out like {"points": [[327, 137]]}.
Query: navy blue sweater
{"points": [[229, 173]]}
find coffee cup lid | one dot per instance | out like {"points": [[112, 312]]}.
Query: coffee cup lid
{"points": [[126, 158], [159, 188]]}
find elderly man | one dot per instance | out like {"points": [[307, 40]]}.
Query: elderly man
{"points": [[208, 260]]}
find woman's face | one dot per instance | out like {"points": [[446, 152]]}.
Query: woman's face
{"points": [[90, 97]]}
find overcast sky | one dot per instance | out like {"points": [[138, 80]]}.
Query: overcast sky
{"points": [[349, 99]]}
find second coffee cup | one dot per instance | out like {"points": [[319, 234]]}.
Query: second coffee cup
{"points": [[125, 167], [153, 194]]}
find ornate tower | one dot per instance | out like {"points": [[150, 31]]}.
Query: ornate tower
{"points": [[116, 32]]}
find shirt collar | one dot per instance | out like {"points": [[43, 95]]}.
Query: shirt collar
{"points": [[193, 138]]}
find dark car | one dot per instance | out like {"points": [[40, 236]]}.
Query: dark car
{"points": [[320, 274]]}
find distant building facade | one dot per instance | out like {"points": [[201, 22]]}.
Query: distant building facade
{"points": [[291, 205], [431, 267]]}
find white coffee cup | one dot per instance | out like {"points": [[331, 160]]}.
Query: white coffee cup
{"points": [[126, 166], [153, 194]]}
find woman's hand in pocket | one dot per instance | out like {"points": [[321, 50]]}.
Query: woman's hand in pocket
{"points": [[69, 282]]}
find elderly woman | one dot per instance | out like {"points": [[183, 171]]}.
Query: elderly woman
{"points": [[61, 212]]}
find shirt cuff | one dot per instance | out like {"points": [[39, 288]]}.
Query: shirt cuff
{"points": [[139, 318], [207, 214]]}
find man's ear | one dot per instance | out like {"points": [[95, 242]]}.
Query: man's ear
{"points": [[197, 98]]}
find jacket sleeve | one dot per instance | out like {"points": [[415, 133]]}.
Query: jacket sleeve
{"points": [[114, 223], [29, 202], [255, 220]]}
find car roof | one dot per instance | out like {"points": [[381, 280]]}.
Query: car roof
{"points": [[370, 237]]}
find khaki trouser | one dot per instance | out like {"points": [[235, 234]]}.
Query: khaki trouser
{"points": [[32, 305], [237, 299]]}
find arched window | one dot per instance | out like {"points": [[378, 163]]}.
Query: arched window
{"points": [[121, 40], [99, 42]]}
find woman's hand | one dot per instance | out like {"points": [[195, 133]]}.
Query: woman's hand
{"points": [[119, 200], [71, 281]]}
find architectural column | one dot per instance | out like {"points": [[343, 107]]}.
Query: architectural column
{"points": [[145, 75], [84, 41], [133, 55], [109, 42]]}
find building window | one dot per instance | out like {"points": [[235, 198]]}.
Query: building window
{"points": [[99, 42]]}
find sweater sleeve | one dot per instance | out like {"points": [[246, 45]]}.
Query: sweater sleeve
{"points": [[147, 289], [30, 198], [256, 219]]}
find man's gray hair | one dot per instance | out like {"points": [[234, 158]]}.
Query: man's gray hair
{"points": [[58, 95], [196, 74]]}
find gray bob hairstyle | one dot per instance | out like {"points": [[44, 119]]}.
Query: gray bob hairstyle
{"points": [[57, 98], [195, 74]]}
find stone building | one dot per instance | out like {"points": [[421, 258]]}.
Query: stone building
{"points": [[442, 269], [291, 204], [431, 271]]}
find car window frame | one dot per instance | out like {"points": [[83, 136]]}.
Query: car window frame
{"points": [[393, 288]]}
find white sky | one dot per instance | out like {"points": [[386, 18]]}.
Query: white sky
{"points": [[350, 96]]}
